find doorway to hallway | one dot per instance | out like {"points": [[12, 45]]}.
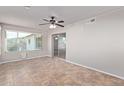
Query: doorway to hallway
{"points": [[59, 45]]}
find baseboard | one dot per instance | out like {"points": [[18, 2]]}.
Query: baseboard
{"points": [[91, 68], [21, 59], [48, 55]]}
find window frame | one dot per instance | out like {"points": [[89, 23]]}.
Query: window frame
{"points": [[5, 44]]}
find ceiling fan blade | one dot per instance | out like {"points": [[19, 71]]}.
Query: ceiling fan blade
{"points": [[44, 24], [59, 25], [61, 21], [46, 20]]}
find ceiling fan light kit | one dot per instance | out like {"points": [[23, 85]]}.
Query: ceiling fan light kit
{"points": [[52, 26]]}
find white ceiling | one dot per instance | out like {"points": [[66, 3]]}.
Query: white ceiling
{"points": [[18, 15]]}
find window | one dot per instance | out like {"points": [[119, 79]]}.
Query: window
{"points": [[38, 41], [22, 41], [29, 41], [11, 41]]}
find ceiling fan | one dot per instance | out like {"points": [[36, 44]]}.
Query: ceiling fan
{"points": [[53, 22]]}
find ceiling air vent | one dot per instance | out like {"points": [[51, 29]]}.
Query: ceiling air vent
{"points": [[91, 21]]}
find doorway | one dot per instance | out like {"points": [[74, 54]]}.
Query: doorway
{"points": [[59, 45]]}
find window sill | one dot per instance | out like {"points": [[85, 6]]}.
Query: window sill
{"points": [[23, 51]]}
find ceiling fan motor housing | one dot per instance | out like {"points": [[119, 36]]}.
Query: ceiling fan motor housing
{"points": [[52, 21]]}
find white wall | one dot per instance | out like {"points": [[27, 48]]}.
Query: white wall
{"points": [[10, 56], [99, 45], [0, 41]]}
